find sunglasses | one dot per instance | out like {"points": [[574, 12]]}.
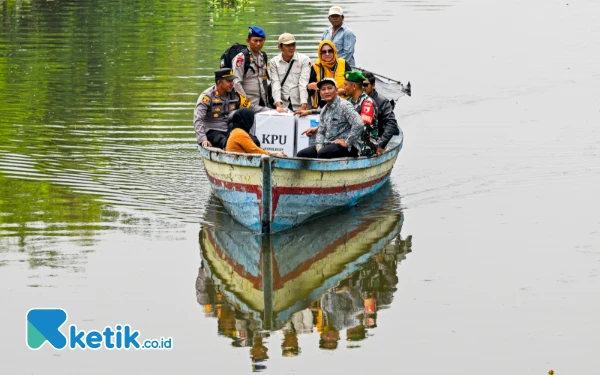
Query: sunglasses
{"points": [[366, 84], [326, 51]]}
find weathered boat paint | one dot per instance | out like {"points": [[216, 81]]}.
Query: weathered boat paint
{"points": [[270, 277], [269, 194]]}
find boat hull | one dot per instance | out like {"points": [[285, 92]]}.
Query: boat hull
{"points": [[271, 277], [268, 194]]}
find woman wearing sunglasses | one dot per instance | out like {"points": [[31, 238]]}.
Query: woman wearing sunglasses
{"points": [[328, 65]]}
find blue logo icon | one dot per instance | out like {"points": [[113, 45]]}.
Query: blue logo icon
{"points": [[44, 325]]}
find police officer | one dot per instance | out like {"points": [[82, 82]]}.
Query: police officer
{"points": [[251, 77], [214, 106]]}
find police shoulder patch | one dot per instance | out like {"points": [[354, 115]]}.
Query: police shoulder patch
{"points": [[244, 102], [205, 99], [239, 61]]}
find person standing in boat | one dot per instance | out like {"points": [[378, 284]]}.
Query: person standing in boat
{"points": [[340, 126], [252, 82], [289, 72], [328, 65], [341, 35], [214, 106], [386, 119]]}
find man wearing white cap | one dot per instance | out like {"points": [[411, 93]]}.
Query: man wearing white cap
{"points": [[341, 35], [289, 72]]}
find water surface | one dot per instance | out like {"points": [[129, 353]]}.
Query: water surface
{"points": [[105, 208]]}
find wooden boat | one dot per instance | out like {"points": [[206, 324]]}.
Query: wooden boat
{"points": [[269, 194], [267, 278]]}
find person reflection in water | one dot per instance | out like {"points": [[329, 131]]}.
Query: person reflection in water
{"points": [[301, 322], [259, 354], [342, 307], [289, 346], [352, 306], [329, 339]]}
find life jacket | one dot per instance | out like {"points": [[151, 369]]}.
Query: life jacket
{"points": [[219, 108], [338, 74]]}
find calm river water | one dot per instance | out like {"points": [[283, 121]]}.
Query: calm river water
{"points": [[481, 256]]}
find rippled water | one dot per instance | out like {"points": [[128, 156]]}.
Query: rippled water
{"points": [[481, 256]]}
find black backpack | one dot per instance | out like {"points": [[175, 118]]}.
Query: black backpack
{"points": [[235, 49]]}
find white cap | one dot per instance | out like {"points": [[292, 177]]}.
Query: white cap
{"points": [[286, 38], [336, 10]]}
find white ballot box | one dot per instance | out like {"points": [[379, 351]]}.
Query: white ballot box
{"points": [[310, 121], [276, 131]]}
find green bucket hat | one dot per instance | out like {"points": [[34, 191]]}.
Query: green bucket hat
{"points": [[356, 77]]}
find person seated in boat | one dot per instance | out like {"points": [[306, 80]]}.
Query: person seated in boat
{"points": [[239, 139], [365, 107], [214, 106], [340, 127], [328, 65], [386, 120]]}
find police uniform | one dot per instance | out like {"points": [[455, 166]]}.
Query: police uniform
{"points": [[212, 111], [253, 84]]}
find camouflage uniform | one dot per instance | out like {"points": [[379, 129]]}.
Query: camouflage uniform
{"points": [[366, 107]]}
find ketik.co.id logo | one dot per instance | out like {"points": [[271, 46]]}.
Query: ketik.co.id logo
{"points": [[43, 325]]}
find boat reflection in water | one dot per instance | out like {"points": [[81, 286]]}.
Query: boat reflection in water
{"points": [[327, 277]]}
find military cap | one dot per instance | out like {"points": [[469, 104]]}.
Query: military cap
{"points": [[255, 31], [330, 81], [224, 73], [356, 77]]}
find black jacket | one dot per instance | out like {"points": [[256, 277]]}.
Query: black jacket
{"points": [[386, 120]]}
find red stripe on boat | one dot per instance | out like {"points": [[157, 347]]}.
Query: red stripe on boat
{"points": [[292, 190], [278, 191]]}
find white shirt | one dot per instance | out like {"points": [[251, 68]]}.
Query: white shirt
{"points": [[294, 88]]}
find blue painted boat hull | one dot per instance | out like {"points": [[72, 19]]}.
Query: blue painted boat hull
{"points": [[269, 194]]}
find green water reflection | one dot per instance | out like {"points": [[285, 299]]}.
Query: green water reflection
{"points": [[97, 101]]}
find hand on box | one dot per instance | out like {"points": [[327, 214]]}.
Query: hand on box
{"points": [[303, 113], [310, 131]]}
